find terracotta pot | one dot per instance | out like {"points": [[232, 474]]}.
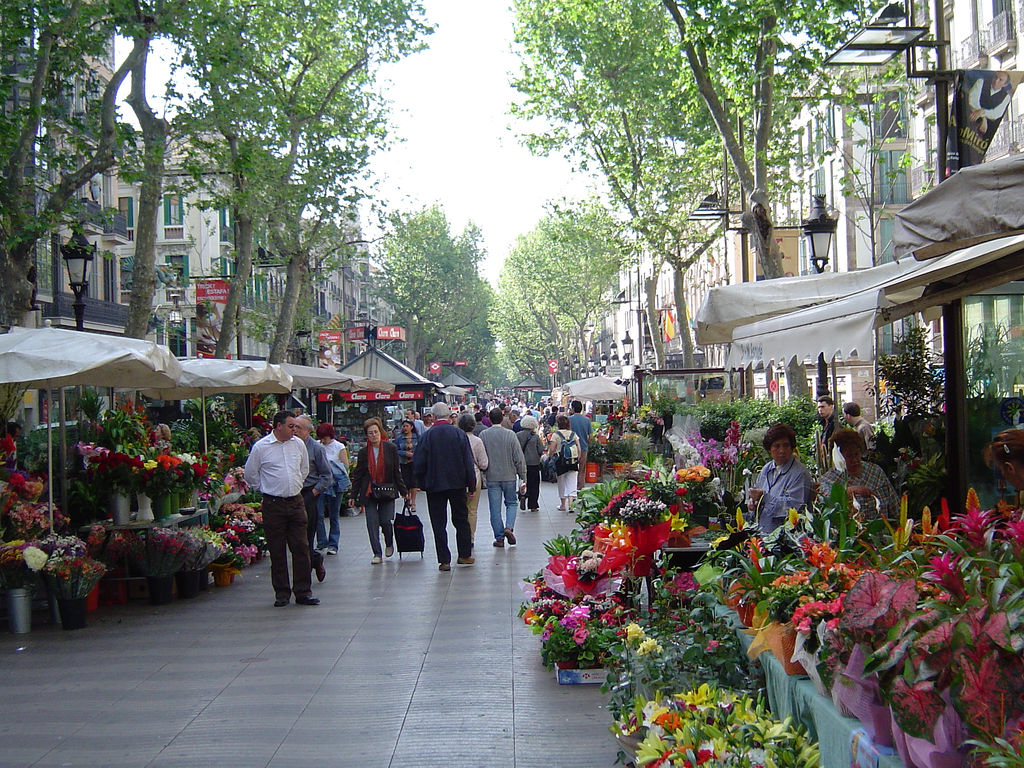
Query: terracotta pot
{"points": [[745, 611], [223, 577]]}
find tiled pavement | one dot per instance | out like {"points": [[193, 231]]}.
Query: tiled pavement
{"points": [[400, 665]]}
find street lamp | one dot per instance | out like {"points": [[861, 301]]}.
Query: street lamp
{"points": [[627, 348], [78, 253], [818, 231], [302, 339]]}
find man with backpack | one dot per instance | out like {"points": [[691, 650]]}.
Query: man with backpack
{"points": [[581, 427], [505, 464]]}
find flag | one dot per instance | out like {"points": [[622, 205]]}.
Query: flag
{"points": [[669, 325]]}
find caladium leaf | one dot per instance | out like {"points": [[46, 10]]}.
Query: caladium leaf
{"points": [[986, 694], [875, 604], [916, 707]]}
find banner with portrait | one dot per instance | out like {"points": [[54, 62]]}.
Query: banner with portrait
{"points": [[211, 298], [330, 350], [980, 99]]}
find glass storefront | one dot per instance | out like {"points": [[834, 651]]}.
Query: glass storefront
{"points": [[994, 361]]}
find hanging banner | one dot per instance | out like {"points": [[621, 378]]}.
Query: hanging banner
{"points": [[330, 350], [211, 298], [980, 99]]}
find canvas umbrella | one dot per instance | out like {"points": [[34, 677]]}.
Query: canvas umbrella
{"points": [[215, 376], [56, 357], [595, 388], [310, 377]]}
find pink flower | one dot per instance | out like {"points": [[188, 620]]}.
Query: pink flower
{"points": [[580, 635], [712, 644], [946, 571]]}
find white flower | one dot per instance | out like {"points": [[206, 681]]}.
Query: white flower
{"points": [[35, 558]]}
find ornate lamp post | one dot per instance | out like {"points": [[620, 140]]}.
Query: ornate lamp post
{"points": [[818, 231], [78, 254]]}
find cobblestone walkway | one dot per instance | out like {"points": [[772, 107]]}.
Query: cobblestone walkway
{"points": [[400, 665]]}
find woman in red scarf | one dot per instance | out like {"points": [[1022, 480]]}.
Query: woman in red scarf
{"points": [[377, 465]]}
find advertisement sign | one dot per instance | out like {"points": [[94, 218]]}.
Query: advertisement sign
{"points": [[434, 367], [390, 333], [211, 298], [980, 99], [372, 397], [552, 366], [460, 363], [330, 350], [356, 334]]}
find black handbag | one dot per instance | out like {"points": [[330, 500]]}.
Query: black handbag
{"points": [[384, 491]]}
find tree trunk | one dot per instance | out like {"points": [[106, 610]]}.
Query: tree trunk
{"points": [[653, 326], [243, 269], [297, 279], [154, 137], [682, 326]]}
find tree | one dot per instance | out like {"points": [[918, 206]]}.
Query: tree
{"points": [[430, 277], [58, 126], [608, 80], [298, 115], [556, 284]]}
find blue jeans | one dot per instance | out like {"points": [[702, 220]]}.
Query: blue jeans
{"points": [[332, 504], [496, 491]]}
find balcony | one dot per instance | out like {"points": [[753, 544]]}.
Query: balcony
{"points": [[998, 37], [116, 224], [921, 178], [227, 235], [970, 50], [174, 233], [96, 311], [893, 191]]}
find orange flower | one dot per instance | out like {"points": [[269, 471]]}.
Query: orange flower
{"points": [[670, 721]]}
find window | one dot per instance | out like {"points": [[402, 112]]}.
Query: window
{"points": [[884, 240], [109, 274], [126, 206], [892, 178], [178, 263], [227, 226], [174, 211], [890, 116]]}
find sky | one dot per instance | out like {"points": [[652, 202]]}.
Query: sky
{"points": [[455, 144], [451, 108]]}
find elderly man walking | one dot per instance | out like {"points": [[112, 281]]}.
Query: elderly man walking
{"points": [[444, 469], [317, 480], [505, 463], [278, 465]]}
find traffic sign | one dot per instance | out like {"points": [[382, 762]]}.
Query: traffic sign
{"points": [[552, 366]]}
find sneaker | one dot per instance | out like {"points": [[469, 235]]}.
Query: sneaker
{"points": [[332, 551], [510, 536], [389, 551], [444, 567], [466, 560], [376, 560], [499, 542]]}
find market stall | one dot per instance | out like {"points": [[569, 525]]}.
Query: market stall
{"points": [[351, 409]]}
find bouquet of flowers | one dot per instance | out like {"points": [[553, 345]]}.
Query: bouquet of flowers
{"points": [[159, 551], [18, 561], [73, 576], [571, 575], [117, 471], [62, 546], [164, 474], [30, 521], [213, 546], [583, 637], [22, 486]]}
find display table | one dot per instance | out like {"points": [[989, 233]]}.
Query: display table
{"points": [[842, 740], [191, 517]]}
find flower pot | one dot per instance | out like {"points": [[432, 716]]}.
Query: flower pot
{"points": [[72, 612], [175, 502], [809, 661], [145, 513], [781, 640], [19, 610], [92, 602], [119, 507], [944, 748], [163, 506], [593, 472], [222, 577], [745, 612], [859, 695], [161, 589], [188, 583]]}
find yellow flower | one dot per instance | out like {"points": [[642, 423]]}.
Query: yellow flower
{"points": [[701, 697], [650, 645], [634, 632], [793, 517], [151, 464]]}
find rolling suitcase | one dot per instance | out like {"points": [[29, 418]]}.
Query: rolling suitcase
{"points": [[408, 532]]}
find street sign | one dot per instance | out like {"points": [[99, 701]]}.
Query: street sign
{"points": [[552, 366], [773, 386], [434, 367], [460, 363]]}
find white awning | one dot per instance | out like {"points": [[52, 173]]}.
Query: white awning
{"points": [[846, 325]]}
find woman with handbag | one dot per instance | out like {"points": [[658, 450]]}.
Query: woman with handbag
{"points": [[533, 452], [329, 502], [377, 482]]}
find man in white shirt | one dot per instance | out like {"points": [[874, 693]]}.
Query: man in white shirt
{"points": [[278, 465]]}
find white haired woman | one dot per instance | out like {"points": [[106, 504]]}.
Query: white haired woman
{"points": [[533, 452]]}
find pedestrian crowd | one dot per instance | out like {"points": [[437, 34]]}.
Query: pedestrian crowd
{"points": [[455, 457]]}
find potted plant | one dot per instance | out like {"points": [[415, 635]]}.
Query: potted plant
{"points": [[581, 639], [20, 561], [163, 478], [158, 554], [226, 567]]}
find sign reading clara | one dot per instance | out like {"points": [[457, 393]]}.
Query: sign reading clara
{"points": [[363, 397], [390, 332], [381, 333]]}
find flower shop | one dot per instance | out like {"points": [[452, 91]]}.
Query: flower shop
{"points": [[834, 640], [148, 517]]}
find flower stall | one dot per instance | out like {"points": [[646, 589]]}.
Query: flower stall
{"points": [[896, 642]]}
